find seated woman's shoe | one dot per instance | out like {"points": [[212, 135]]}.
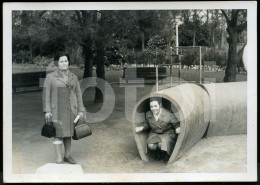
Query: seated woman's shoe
{"points": [[69, 160], [166, 157], [158, 156]]}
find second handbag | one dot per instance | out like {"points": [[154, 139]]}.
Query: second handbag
{"points": [[81, 130]]}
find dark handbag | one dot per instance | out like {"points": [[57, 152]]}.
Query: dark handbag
{"points": [[81, 130], [48, 129]]}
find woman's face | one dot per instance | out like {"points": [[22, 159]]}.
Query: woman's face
{"points": [[155, 107], [63, 63]]}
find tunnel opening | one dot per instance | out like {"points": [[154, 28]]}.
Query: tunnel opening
{"points": [[140, 117], [191, 105]]}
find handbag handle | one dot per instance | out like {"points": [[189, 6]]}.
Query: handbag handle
{"points": [[47, 121], [76, 120]]}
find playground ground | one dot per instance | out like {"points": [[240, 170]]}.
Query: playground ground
{"points": [[111, 148]]}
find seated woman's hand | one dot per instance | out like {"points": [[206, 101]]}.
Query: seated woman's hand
{"points": [[48, 115], [139, 129], [178, 130], [82, 115]]}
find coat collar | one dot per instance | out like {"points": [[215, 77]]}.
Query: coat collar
{"points": [[60, 77], [163, 113], [158, 122], [57, 73]]}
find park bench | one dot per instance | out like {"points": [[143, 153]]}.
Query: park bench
{"points": [[27, 79], [147, 73]]}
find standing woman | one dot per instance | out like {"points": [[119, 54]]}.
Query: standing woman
{"points": [[62, 102]]}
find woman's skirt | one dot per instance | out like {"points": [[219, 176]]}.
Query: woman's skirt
{"points": [[168, 141]]}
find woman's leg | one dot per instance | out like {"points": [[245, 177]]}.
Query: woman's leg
{"points": [[67, 146], [164, 154], [157, 149], [58, 149]]}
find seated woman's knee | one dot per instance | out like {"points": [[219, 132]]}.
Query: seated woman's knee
{"points": [[152, 146], [159, 145]]}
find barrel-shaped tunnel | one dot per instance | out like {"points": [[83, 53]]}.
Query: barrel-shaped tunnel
{"points": [[228, 108], [194, 106]]}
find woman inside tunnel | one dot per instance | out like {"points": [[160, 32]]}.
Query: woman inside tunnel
{"points": [[163, 127]]}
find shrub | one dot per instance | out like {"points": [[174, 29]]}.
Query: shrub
{"points": [[191, 57], [42, 61], [130, 59], [21, 57], [217, 56]]}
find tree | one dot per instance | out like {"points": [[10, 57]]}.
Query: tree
{"points": [[29, 30], [167, 21], [236, 23], [86, 24], [193, 31], [100, 55], [156, 47]]}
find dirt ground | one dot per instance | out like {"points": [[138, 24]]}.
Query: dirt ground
{"points": [[112, 148]]}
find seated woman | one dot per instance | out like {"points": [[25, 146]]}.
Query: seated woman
{"points": [[164, 127]]}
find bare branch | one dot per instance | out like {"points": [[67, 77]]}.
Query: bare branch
{"points": [[225, 15], [84, 17], [79, 17]]}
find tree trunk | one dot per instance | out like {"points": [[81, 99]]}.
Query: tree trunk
{"points": [[230, 72], [220, 43], [168, 48], [142, 41], [233, 30], [213, 38], [194, 38], [40, 50], [194, 28], [31, 51], [99, 97], [88, 63], [77, 55]]}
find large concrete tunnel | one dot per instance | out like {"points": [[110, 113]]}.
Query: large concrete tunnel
{"points": [[206, 110]]}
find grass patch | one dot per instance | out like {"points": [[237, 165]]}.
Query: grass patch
{"points": [[114, 76]]}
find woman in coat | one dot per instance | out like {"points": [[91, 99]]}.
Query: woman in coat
{"points": [[164, 127], [62, 102]]}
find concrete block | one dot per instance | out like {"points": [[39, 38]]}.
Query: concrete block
{"points": [[53, 168]]}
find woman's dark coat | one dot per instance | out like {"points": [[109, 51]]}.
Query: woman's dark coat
{"points": [[162, 130]]}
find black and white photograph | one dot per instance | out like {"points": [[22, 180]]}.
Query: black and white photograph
{"points": [[130, 91]]}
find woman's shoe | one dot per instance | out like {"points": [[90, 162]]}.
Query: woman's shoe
{"points": [[166, 156], [59, 162], [69, 160], [158, 156]]}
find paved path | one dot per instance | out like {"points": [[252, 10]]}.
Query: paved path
{"points": [[111, 148]]}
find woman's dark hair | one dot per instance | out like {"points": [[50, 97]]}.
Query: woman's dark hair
{"points": [[60, 54], [158, 99]]}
